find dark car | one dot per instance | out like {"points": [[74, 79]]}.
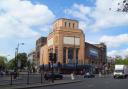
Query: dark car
{"points": [[89, 75], [48, 76]]}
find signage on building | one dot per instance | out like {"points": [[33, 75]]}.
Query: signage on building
{"points": [[93, 53], [72, 40]]}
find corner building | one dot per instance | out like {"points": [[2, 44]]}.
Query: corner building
{"points": [[68, 42]]}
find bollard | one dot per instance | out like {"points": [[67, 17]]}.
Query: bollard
{"points": [[28, 78], [11, 79]]}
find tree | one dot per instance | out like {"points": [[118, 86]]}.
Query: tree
{"points": [[11, 64], [121, 61], [122, 6], [20, 59], [3, 61]]}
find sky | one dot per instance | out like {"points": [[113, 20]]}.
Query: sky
{"points": [[24, 21]]}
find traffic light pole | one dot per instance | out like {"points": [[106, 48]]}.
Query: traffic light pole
{"points": [[52, 58], [52, 73]]}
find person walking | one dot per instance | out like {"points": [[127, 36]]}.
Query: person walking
{"points": [[72, 76]]}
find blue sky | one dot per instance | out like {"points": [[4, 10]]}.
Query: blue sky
{"points": [[26, 20]]}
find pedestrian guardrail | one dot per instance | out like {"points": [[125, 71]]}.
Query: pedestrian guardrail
{"points": [[21, 78]]}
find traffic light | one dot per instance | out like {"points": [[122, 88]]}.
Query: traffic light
{"points": [[50, 56], [54, 57]]}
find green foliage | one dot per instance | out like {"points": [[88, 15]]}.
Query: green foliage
{"points": [[29, 64], [22, 57], [122, 61], [3, 61], [11, 64]]}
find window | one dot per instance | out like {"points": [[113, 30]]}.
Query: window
{"points": [[65, 24], [73, 25], [77, 52], [70, 55], [69, 24]]}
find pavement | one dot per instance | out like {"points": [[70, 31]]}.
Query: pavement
{"points": [[20, 85], [36, 85]]}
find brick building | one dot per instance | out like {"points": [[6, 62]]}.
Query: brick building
{"points": [[39, 43]]}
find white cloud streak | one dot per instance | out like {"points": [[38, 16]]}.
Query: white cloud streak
{"points": [[99, 17], [18, 17], [115, 41], [115, 53]]}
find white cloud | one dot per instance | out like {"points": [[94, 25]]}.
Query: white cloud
{"points": [[79, 11], [122, 53], [115, 41], [100, 16], [18, 17]]}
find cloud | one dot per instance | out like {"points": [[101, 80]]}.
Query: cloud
{"points": [[115, 41], [99, 17], [122, 53], [79, 11], [20, 18]]}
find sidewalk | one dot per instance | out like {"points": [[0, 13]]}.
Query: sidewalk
{"points": [[25, 86]]}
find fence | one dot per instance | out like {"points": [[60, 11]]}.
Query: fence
{"points": [[21, 78]]}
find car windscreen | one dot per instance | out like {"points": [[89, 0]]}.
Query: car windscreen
{"points": [[119, 71]]}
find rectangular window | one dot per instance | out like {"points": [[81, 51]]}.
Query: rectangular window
{"points": [[65, 24], [70, 55], [73, 25], [77, 52], [69, 24]]}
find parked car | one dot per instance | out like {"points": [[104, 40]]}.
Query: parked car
{"points": [[89, 75], [48, 76]]}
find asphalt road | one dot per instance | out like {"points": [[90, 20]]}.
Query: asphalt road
{"points": [[94, 83]]}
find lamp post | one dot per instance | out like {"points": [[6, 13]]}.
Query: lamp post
{"points": [[16, 54]]}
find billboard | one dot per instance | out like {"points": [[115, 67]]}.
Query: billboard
{"points": [[93, 53]]}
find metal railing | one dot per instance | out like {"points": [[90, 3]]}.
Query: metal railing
{"points": [[21, 78]]}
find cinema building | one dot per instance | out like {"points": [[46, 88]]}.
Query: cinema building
{"points": [[68, 42]]}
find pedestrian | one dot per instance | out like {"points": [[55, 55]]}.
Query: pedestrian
{"points": [[14, 74], [99, 74], [72, 76]]}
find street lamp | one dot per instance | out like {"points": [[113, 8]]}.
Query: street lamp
{"points": [[16, 53]]}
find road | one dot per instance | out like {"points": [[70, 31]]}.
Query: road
{"points": [[94, 83]]}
